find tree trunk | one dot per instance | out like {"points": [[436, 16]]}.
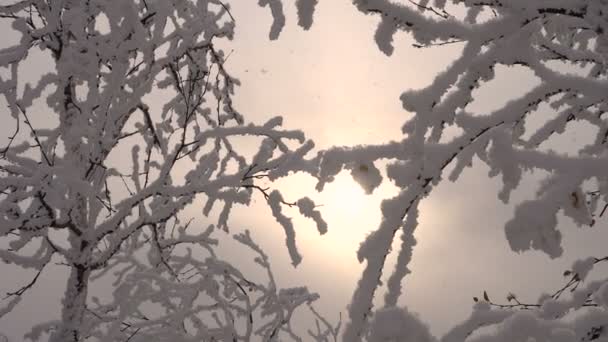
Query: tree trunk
{"points": [[74, 305]]}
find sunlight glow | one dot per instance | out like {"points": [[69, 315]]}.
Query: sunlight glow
{"points": [[345, 197], [351, 215]]}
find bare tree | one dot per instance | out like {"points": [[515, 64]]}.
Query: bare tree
{"points": [[99, 180]]}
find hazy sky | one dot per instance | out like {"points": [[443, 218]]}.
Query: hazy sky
{"points": [[334, 84]]}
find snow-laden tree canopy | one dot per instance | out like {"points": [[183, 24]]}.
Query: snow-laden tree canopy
{"points": [[99, 180], [546, 37], [64, 198]]}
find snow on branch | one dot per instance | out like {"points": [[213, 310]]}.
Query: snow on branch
{"points": [[103, 182], [537, 36]]}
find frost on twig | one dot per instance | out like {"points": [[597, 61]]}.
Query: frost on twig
{"points": [[103, 182], [305, 10], [545, 37]]}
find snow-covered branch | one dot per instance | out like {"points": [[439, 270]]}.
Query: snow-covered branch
{"points": [[531, 34], [103, 173]]}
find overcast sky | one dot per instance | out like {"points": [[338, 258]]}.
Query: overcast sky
{"points": [[335, 85]]}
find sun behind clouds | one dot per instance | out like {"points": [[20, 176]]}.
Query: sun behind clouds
{"points": [[344, 196]]}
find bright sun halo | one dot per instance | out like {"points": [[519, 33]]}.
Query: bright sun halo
{"points": [[344, 196]]}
